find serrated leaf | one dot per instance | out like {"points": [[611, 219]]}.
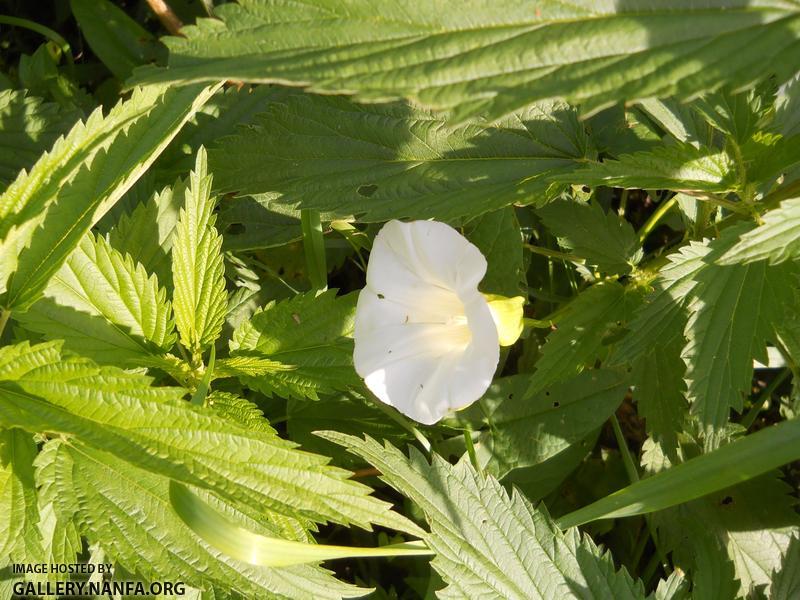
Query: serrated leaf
{"points": [[310, 336], [19, 534], [119, 413], [200, 300], [489, 57], [489, 544], [776, 240], [115, 38], [588, 325], [154, 542], [787, 108], [147, 233], [786, 580], [104, 306], [529, 429], [29, 127], [603, 239], [393, 161], [249, 223], [238, 410], [673, 167], [78, 180], [731, 318], [497, 235]]}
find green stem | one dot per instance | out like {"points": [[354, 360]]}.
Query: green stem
{"points": [[5, 314], [473, 458], [623, 203], [655, 218], [627, 458], [748, 420], [553, 253], [314, 246], [46, 32], [199, 397], [402, 421]]}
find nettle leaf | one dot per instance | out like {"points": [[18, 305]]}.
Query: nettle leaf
{"points": [[249, 223], [392, 161], [731, 318], [310, 336], [147, 233], [787, 103], [19, 534], [46, 212], [752, 523], [590, 323], [489, 544], [153, 541], [606, 241], [239, 410], [30, 127], [673, 167], [491, 58], [118, 412], [200, 300], [786, 580], [526, 430], [776, 240], [104, 306], [497, 235]]}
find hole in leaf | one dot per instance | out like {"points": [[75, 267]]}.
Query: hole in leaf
{"points": [[235, 229], [727, 500], [586, 189], [381, 296], [556, 404], [367, 190]]}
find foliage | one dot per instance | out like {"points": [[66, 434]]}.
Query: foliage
{"points": [[185, 224]]}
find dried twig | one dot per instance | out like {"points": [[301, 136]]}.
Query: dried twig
{"points": [[168, 18]]}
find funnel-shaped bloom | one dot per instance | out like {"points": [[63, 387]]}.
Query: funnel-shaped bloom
{"points": [[425, 339]]}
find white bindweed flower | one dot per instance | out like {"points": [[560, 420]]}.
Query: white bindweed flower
{"points": [[426, 340]]}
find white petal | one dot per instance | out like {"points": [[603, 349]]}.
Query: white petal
{"points": [[406, 256]]}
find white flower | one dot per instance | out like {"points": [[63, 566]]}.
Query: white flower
{"points": [[426, 341]]}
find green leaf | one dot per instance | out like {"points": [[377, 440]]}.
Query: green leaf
{"points": [[104, 306], [606, 241], [119, 41], [153, 541], [147, 233], [497, 235], [674, 167], [733, 463], [489, 544], [310, 336], [28, 127], [393, 161], [489, 57], [589, 323], [45, 213], [20, 540], [776, 240], [118, 412], [731, 319], [786, 581], [238, 410], [526, 430], [787, 115], [249, 223], [200, 300]]}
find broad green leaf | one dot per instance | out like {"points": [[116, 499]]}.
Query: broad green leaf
{"points": [[591, 321], [677, 119], [20, 540], [120, 413], [119, 41], [733, 463], [497, 235], [153, 541], [731, 318], [525, 430], [28, 127], [490, 57], [777, 239], [40, 74], [238, 410], [147, 233], [200, 300], [675, 587], [674, 167], [249, 223], [786, 581], [390, 161], [104, 306], [78, 180], [489, 544], [787, 105], [310, 336], [606, 241]]}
